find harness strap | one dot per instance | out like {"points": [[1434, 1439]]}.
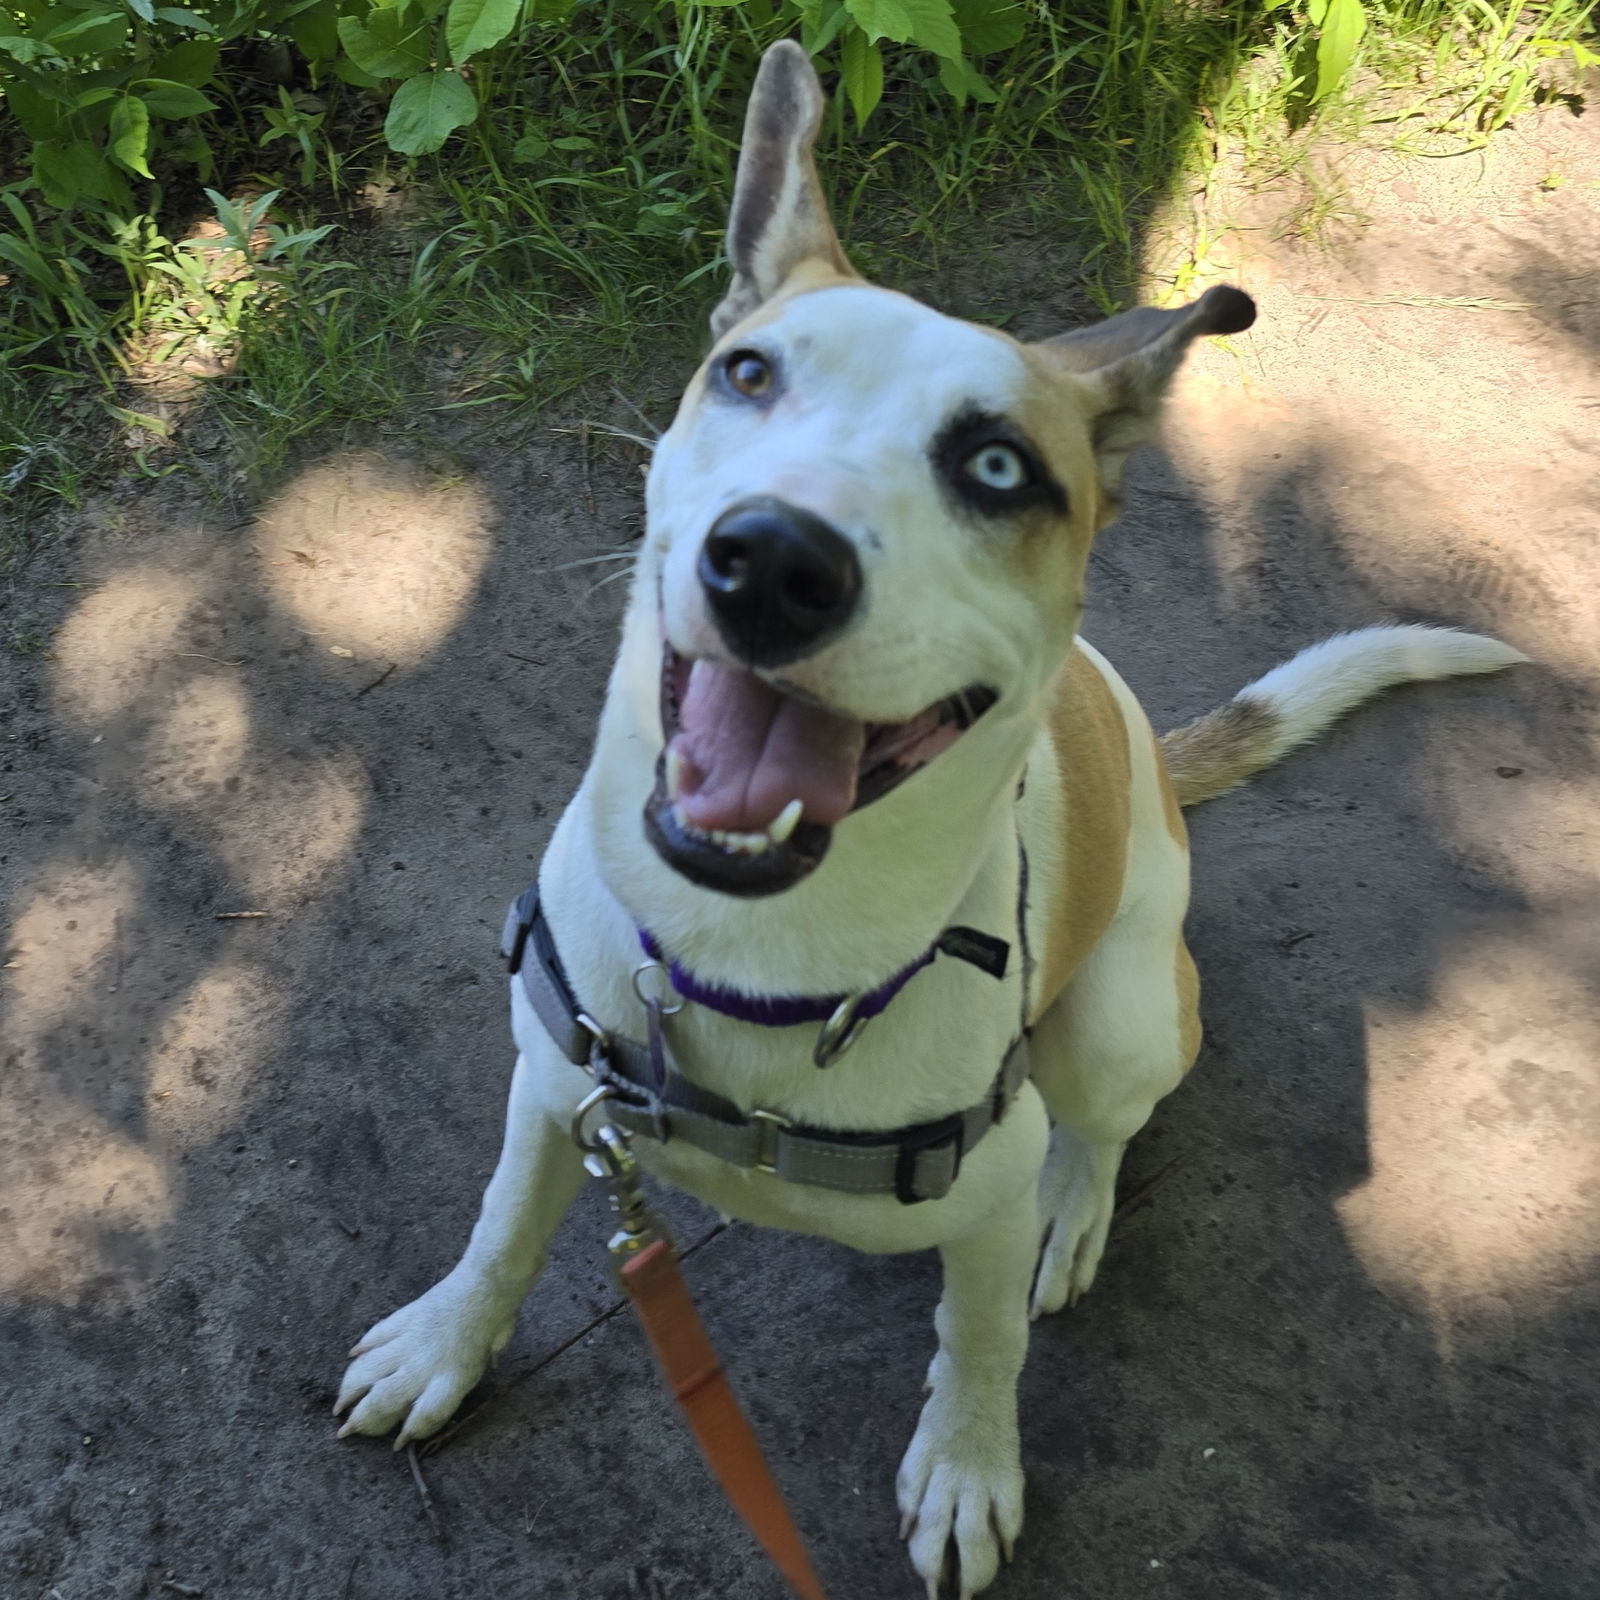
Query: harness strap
{"points": [[729, 1445], [916, 1163]]}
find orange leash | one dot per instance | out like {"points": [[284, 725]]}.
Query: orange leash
{"points": [[647, 1268], [694, 1374]]}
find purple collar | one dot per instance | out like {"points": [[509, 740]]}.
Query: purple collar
{"points": [[980, 950]]}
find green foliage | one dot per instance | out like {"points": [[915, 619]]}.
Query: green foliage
{"points": [[573, 159], [1332, 32]]}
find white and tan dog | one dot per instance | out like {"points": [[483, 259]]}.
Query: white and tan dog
{"points": [[850, 710]]}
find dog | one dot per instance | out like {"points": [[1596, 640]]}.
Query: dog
{"points": [[907, 845]]}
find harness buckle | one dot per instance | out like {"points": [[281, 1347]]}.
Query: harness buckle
{"points": [[947, 1133], [771, 1124], [839, 1032]]}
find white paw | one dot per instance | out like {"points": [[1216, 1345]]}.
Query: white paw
{"points": [[960, 1494], [1074, 1241], [412, 1369]]}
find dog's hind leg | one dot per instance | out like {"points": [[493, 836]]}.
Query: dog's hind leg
{"points": [[1118, 1037], [961, 1480], [412, 1369]]}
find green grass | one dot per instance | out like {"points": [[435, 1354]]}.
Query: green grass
{"points": [[572, 235]]}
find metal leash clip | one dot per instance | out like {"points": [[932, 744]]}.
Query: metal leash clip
{"points": [[609, 1157]]}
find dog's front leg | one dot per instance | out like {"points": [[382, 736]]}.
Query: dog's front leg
{"points": [[961, 1480], [413, 1368]]}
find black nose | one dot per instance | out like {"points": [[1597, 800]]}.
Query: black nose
{"points": [[779, 580]]}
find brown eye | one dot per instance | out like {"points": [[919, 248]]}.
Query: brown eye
{"points": [[748, 373]]}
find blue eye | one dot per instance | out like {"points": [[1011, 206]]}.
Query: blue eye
{"points": [[997, 466]]}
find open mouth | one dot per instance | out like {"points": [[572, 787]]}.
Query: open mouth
{"points": [[753, 776]]}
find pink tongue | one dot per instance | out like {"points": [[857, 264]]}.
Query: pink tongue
{"points": [[748, 751]]}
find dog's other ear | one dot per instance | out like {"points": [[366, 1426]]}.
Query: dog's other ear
{"points": [[779, 217], [1130, 359]]}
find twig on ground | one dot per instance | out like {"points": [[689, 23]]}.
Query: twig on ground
{"points": [[181, 1588], [382, 678], [650, 427], [195, 655], [422, 1489], [239, 916], [532, 661], [439, 1439], [350, 1576], [1135, 1195]]}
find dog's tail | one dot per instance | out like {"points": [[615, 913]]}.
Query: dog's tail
{"points": [[1296, 701]]}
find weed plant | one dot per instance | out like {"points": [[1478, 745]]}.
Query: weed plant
{"points": [[571, 232]]}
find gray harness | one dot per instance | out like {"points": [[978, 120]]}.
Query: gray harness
{"points": [[652, 1099]]}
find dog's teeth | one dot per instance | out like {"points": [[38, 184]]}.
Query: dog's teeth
{"points": [[782, 825], [719, 836], [674, 773], [748, 844]]}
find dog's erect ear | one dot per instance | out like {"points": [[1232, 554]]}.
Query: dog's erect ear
{"points": [[1130, 360], [779, 217]]}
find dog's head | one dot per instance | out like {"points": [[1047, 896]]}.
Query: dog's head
{"points": [[868, 523]]}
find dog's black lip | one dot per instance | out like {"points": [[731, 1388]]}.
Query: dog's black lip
{"points": [[706, 864]]}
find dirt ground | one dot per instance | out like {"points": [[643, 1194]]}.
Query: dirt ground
{"points": [[1343, 1342]]}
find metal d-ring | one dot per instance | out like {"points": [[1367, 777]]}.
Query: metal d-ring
{"points": [[649, 1000], [840, 1031], [595, 1097]]}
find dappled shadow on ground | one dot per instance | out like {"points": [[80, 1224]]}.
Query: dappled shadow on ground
{"points": [[1340, 1342]]}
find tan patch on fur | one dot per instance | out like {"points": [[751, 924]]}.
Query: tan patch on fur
{"points": [[1090, 738], [1054, 412], [1189, 1034], [1208, 756], [1169, 799]]}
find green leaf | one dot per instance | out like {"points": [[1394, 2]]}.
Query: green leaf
{"points": [[130, 135], [316, 32], [861, 67], [184, 19], [143, 9], [928, 23], [389, 44], [346, 71], [164, 97], [67, 172], [989, 26], [474, 25], [820, 25], [40, 116], [529, 149], [425, 111], [1343, 24], [962, 81], [23, 49], [193, 62], [83, 33], [197, 149]]}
